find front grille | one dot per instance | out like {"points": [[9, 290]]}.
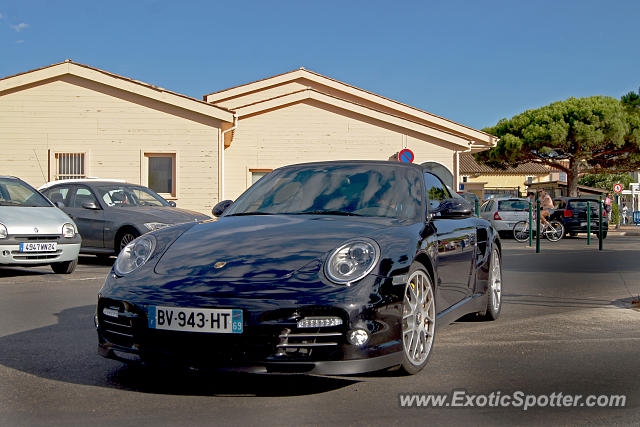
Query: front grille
{"points": [[303, 344], [38, 238], [118, 329], [274, 340], [34, 256]]}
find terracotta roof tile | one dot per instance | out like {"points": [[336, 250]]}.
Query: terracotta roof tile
{"points": [[469, 165]]}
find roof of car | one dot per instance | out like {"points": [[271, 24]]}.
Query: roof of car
{"points": [[81, 180], [359, 162], [499, 199]]}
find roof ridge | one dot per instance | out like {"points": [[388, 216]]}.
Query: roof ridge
{"points": [[117, 76]]}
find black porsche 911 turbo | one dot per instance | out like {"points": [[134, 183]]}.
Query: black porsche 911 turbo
{"points": [[325, 268]]}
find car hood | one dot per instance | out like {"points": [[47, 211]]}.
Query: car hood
{"points": [[261, 247], [23, 220], [163, 214]]}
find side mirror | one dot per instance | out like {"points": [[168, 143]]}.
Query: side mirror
{"points": [[172, 204], [453, 208], [221, 207], [90, 205], [59, 205]]}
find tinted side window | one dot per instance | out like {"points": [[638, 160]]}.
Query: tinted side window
{"points": [[435, 189], [58, 194], [83, 195]]}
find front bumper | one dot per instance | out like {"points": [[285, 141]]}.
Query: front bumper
{"points": [[271, 341], [67, 249]]}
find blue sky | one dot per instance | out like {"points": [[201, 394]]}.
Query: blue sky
{"points": [[469, 61]]}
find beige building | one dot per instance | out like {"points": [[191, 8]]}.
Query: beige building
{"points": [[70, 120], [302, 116]]}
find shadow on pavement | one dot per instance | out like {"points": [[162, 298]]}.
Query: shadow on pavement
{"points": [[67, 352], [23, 271], [96, 260], [567, 302]]}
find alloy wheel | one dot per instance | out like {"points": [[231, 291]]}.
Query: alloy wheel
{"points": [[418, 318]]}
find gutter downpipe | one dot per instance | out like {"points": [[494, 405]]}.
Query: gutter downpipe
{"points": [[458, 171], [221, 157]]}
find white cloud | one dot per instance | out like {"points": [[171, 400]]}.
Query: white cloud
{"points": [[19, 41], [21, 26]]}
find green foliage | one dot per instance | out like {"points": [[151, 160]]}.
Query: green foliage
{"points": [[631, 100], [576, 128], [606, 181], [615, 214], [578, 135]]}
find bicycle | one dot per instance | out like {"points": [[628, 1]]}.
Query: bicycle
{"points": [[553, 231]]}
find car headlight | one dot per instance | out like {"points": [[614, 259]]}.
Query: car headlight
{"points": [[68, 230], [352, 261], [3, 231], [135, 254], [155, 225]]}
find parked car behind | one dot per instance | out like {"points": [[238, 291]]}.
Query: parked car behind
{"points": [[572, 212], [504, 212], [110, 214], [33, 231]]}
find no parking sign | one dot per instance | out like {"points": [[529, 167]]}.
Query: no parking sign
{"points": [[617, 188], [406, 156]]}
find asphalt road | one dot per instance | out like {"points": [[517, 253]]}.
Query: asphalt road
{"points": [[567, 326]]}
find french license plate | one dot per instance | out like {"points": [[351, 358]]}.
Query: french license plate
{"points": [[593, 224], [38, 247], [224, 321]]}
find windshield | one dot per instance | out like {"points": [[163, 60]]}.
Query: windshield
{"points": [[14, 192], [355, 189], [118, 195]]}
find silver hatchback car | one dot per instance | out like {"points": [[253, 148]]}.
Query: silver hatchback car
{"points": [[33, 231]]}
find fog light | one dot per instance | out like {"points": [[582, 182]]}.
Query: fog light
{"points": [[319, 322], [358, 337]]}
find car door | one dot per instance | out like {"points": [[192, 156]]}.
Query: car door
{"points": [[456, 246], [90, 221]]}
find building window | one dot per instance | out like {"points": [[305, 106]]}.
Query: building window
{"points": [[256, 174], [465, 178], [161, 173], [529, 179], [70, 165]]}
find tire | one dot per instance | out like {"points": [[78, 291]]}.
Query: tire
{"points": [[124, 238], [556, 233], [65, 267], [418, 322], [521, 231], [494, 289]]}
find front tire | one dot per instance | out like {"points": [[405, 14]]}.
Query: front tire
{"points": [[494, 300], [418, 320], [554, 231], [65, 267], [125, 237]]}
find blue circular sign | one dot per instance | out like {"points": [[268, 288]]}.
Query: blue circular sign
{"points": [[406, 156]]}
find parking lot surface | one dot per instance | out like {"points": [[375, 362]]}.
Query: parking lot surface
{"points": [[567, 326]]}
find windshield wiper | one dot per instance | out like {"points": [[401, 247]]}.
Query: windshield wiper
{"points": [[326, 212], [250, 213]]}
